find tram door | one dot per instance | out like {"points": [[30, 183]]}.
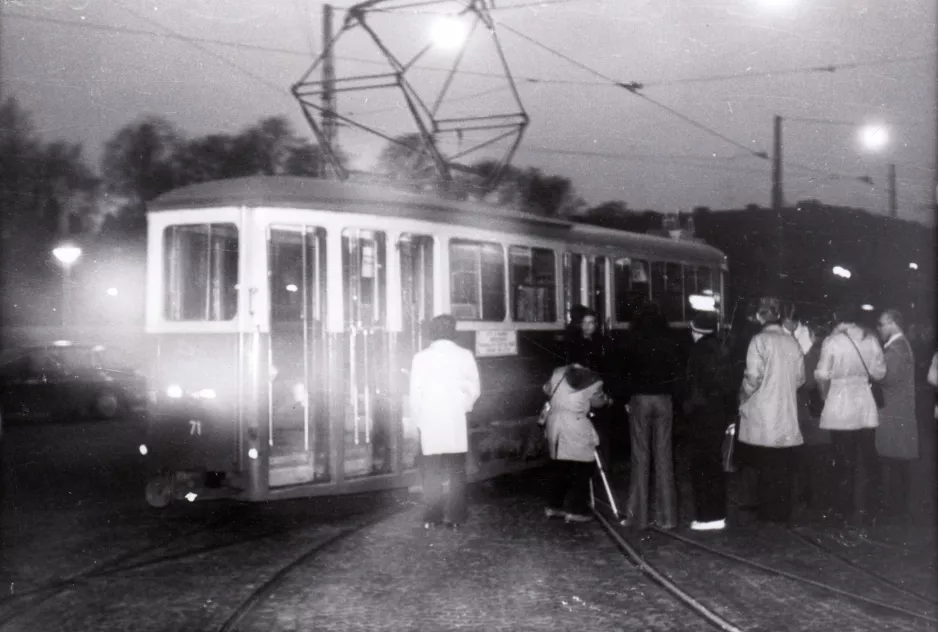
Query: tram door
{"points": [[297, 388], [599, 289], [367, 430], [416, 255]]}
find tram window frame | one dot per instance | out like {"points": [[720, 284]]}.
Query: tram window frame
{"points": [[574, 263], [673, 301], [312, 301], [628, 297], [379, 261], [484, 293], [543, 307], [188, 294]]}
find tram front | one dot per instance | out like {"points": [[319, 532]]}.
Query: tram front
{"points": [[195, 318]]}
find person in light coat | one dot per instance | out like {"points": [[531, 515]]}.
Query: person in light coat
{"points": [[850, 358], [897, 434], [768, 412], [444, 387], [571, 439]]}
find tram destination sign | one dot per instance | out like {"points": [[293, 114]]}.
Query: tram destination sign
{"points": [[496, 343]]}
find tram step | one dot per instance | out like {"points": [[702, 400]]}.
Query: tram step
{"points": [[290, 460], [291, 475]]}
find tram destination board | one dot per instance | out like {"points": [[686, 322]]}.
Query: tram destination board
{"points": [[496, 343]]}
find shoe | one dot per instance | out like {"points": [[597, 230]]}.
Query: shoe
{"points": [[630, 523], [666, 527], [553, 513], [572, 517], [713, 525]]}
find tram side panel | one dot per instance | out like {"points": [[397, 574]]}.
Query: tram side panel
{"points": [[503, 425], [193, 433]]}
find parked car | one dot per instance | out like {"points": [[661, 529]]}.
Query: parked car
{"points": [[65, 380]]}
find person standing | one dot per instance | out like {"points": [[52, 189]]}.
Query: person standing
{"points": [[897, 434], [444, 387], [708, 405], [571, 439], [850, 359], [652, 368], [768, 412]]}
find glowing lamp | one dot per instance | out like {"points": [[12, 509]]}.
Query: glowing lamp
{"points": [[449, 33]]}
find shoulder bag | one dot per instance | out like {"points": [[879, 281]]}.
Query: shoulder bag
{"points": [[875, 388], [545, 409]]}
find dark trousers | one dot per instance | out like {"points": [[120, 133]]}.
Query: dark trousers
{"points": [[706, 462], [855, 460], [650, 426], [450, 506], [774, 471], [812, 476], [569, 486]]}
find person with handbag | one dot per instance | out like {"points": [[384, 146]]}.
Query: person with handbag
{"points": [[768, 412], [571, 439], [708, 404], [897, 434], [851, 361]]}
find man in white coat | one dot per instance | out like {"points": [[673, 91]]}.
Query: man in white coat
{"points": [[444, 386]]}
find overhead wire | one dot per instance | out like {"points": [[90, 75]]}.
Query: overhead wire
{"points": [[529, 79]]}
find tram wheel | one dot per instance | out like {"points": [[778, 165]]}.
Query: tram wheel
{"points": [[107, 404], [159, 491]]}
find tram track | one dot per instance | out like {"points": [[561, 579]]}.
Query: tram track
{"points": [[714, 610], [130, 563]]}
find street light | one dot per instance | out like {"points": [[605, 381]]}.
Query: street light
{"points": [[449, 33], [842, 272], [913, 266], [873, 137], [66, 254]]}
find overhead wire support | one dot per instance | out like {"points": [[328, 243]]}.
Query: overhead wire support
{"points": [[426, 120]]}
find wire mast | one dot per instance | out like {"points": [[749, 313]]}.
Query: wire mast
{"points": [[429, 109]]}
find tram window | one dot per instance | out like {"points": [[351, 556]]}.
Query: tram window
{"points": [[363, 269], [631, 285], [573, 280], [673, 303], [533, 285], [657, 281], [296, 274], [705, 282], [477, 280], [201, 272]]}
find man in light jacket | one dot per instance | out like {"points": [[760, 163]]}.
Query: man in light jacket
{"points": [[444, 386], [897, 434], [768, 412], [850, 358]]}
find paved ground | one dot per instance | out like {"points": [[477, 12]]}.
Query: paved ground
{"points": [[76, 503]]}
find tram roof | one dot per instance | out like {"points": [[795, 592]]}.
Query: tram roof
{"points": [[310, 193]]}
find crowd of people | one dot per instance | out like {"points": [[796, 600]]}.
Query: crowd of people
{"points": [[812, 414]]}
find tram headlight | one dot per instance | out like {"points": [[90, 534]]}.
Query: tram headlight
{"points": [[143, 449], [252, 454], [174, 391], [703, 303]]}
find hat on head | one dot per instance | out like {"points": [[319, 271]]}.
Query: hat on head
{"points": [[704, 323]]}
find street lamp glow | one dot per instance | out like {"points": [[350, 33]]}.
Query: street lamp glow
{"points": [[112, 291], [866, 307], [777, 5], [874, 137], [67, 254], [449, 32], [913, 266], [842, 272]]}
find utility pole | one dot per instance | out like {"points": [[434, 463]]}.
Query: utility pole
{"points": [[891, 184], [328, 86], [778, 201]]}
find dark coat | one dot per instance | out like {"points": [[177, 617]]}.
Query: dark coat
{"points": [[897, 434], [709, 399]]}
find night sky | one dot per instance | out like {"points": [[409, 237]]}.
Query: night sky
{"points": [[82, 82]]}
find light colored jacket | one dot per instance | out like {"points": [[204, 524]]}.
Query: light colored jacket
{"points": [[570, 433], [933, 371], [768, 409], [444, 386], [897, 435], [849, 404]]}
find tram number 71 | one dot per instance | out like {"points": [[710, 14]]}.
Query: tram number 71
{"points": [[195, 428]]}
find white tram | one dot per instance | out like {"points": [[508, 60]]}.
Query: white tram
{"points": [[284, 313]]}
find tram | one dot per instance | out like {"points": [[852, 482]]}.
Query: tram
{"points": [[283, 314]]}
